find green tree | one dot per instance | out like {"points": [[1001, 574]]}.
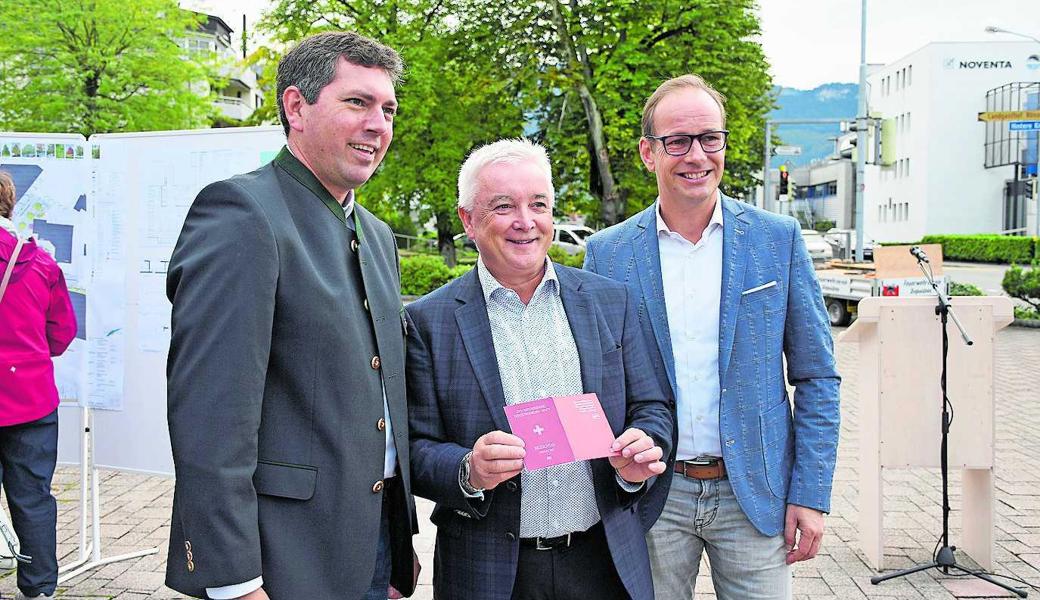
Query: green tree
{"points": [[587, 66], [452, 100], [1024, 284], [95, 66]]}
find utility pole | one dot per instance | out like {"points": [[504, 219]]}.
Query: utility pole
{"points": [[861, 132]]}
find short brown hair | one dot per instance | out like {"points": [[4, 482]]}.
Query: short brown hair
{"points": [[675, 84], [6, 195]]}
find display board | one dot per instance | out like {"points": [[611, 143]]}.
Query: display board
{"points": [[110, 209], [144, 185]]}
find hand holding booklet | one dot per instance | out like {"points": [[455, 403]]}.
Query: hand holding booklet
{"points": [[561, 429]]}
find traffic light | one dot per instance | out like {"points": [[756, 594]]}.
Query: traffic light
{"points": [[792, 188], [785, 181]]}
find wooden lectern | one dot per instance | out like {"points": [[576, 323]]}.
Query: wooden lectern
{"points": [[900, 356]]}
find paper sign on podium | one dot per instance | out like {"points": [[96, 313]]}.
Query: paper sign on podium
{"points": [[561, 429]]}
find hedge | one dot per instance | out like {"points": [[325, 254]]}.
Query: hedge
{"points": [[423, 273], [986, 247]]}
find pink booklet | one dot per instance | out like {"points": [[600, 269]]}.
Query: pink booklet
{"points": [[561, 429]]}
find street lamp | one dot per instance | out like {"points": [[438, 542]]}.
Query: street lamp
{"points": [[994, 29]]}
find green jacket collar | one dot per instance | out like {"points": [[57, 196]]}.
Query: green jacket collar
{"points": [[301, 173]]}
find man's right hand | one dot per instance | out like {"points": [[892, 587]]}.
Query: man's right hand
{"points": [[497, 457], [257, 594]]}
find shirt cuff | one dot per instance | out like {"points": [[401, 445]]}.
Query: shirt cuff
{"points": [[227, 592], [628, 486]]}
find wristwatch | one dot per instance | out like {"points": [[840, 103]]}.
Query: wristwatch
{"points": [[464, 478]]}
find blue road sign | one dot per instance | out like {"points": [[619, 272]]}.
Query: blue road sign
{"points": [[1024, 125]]}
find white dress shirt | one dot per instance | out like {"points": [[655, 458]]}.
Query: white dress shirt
{"points": [[692, 278]]}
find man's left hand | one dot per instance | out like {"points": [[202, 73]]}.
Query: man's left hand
{"points": [[640, 457], [808, 523]]}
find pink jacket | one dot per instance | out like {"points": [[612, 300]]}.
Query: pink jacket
{"points": [[36, 323]]}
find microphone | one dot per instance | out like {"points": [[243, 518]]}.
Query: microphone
{"points": [[919, 254]]}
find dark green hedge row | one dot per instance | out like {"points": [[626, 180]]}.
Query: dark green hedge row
{"points": [[423, 273], [986, 247]]}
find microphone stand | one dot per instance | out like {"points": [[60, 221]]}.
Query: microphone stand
{"points": [[944, 559]]}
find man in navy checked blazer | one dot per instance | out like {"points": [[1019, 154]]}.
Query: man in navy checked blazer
{"points": [[728, 292], [514, 329]]}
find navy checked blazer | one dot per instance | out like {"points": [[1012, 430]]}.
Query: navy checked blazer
{"points": [[455, 396], [771, 311]]}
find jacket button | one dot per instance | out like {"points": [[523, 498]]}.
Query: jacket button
{"points": [[376, 362], [510, 536], [378, 487], [187, 545], [511, 486], [381, 424], [191, 566], [365, 304], [354, 245]]}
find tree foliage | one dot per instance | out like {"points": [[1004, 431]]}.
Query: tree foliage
{"points": [[572, 74], [95, 66]]}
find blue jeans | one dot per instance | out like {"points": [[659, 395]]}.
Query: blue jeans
{"points": [[704, 516], [28, 453], [381, 576]]}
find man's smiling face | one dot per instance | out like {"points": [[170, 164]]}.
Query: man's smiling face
{"points": [[511, 221], [694, 178]]}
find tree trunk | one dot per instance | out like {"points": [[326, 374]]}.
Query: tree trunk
{"points": [[610, 209], [445, 238]]}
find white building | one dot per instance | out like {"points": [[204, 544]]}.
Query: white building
{"points": [[939, 182], [241, 96]]}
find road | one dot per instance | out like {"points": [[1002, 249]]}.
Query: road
{"points": [[984, 275]]}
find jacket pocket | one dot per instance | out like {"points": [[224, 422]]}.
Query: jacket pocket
{"points": [[296, 482], [777, 447]]}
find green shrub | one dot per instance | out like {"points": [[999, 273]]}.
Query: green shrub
{"points": [[985, 247], [421, 274], [1024, 284], [1026, 314], [559, 256], [964, 289], [823, 226]]}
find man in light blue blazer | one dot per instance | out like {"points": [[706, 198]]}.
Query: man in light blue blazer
{"points": [[728, 292]]}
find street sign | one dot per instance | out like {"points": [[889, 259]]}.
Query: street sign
{"points": [[1023, 125], [787, 150], [1009, 115]]}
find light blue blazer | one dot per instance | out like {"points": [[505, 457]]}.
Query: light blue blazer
{"points": [[773, 457]]}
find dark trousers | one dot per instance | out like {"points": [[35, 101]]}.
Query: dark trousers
{"points": [[28, 453], [580, 571], [381, 575]]}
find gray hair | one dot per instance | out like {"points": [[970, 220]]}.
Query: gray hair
{"points": [[511, 151], [311, 64], [675, 84]]}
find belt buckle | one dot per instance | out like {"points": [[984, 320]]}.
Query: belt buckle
{"points": [[538, 545], [702, 461]]}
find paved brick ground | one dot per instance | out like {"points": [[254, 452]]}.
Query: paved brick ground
{"points": [[136, 509]]}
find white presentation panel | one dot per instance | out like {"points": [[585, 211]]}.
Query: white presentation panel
{"points": [[144, 185]]}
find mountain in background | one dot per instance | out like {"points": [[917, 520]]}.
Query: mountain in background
{"points": [[828, 101]]}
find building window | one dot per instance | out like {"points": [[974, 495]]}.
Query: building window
{"points": [[907, 119], [909, 75], [906, 168]]}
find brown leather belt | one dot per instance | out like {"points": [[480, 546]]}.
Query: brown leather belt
{"points": [[702, 468]]}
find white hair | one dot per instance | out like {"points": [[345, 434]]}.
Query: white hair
{"points": [[512, 151]]}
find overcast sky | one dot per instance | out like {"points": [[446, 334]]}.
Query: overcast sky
{"points": [[810, 42]]}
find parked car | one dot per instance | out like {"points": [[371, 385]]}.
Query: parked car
{"points": [[819, 249], [571, 238]]}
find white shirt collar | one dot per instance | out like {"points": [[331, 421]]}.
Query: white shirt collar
{"points": [[489, 284], [713, 223]]}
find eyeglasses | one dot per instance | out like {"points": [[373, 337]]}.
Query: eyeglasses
{"points": [[679, 144]]}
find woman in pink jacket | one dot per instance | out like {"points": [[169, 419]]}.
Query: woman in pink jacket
{"points": [[36, 323]]}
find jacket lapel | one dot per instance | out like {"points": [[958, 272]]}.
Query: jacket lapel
{"points": [[475, 329], [581, 314], [648, 259], [735, 227]]}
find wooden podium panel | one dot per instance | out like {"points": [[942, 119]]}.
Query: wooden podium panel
{"points": [[900, 412]]}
